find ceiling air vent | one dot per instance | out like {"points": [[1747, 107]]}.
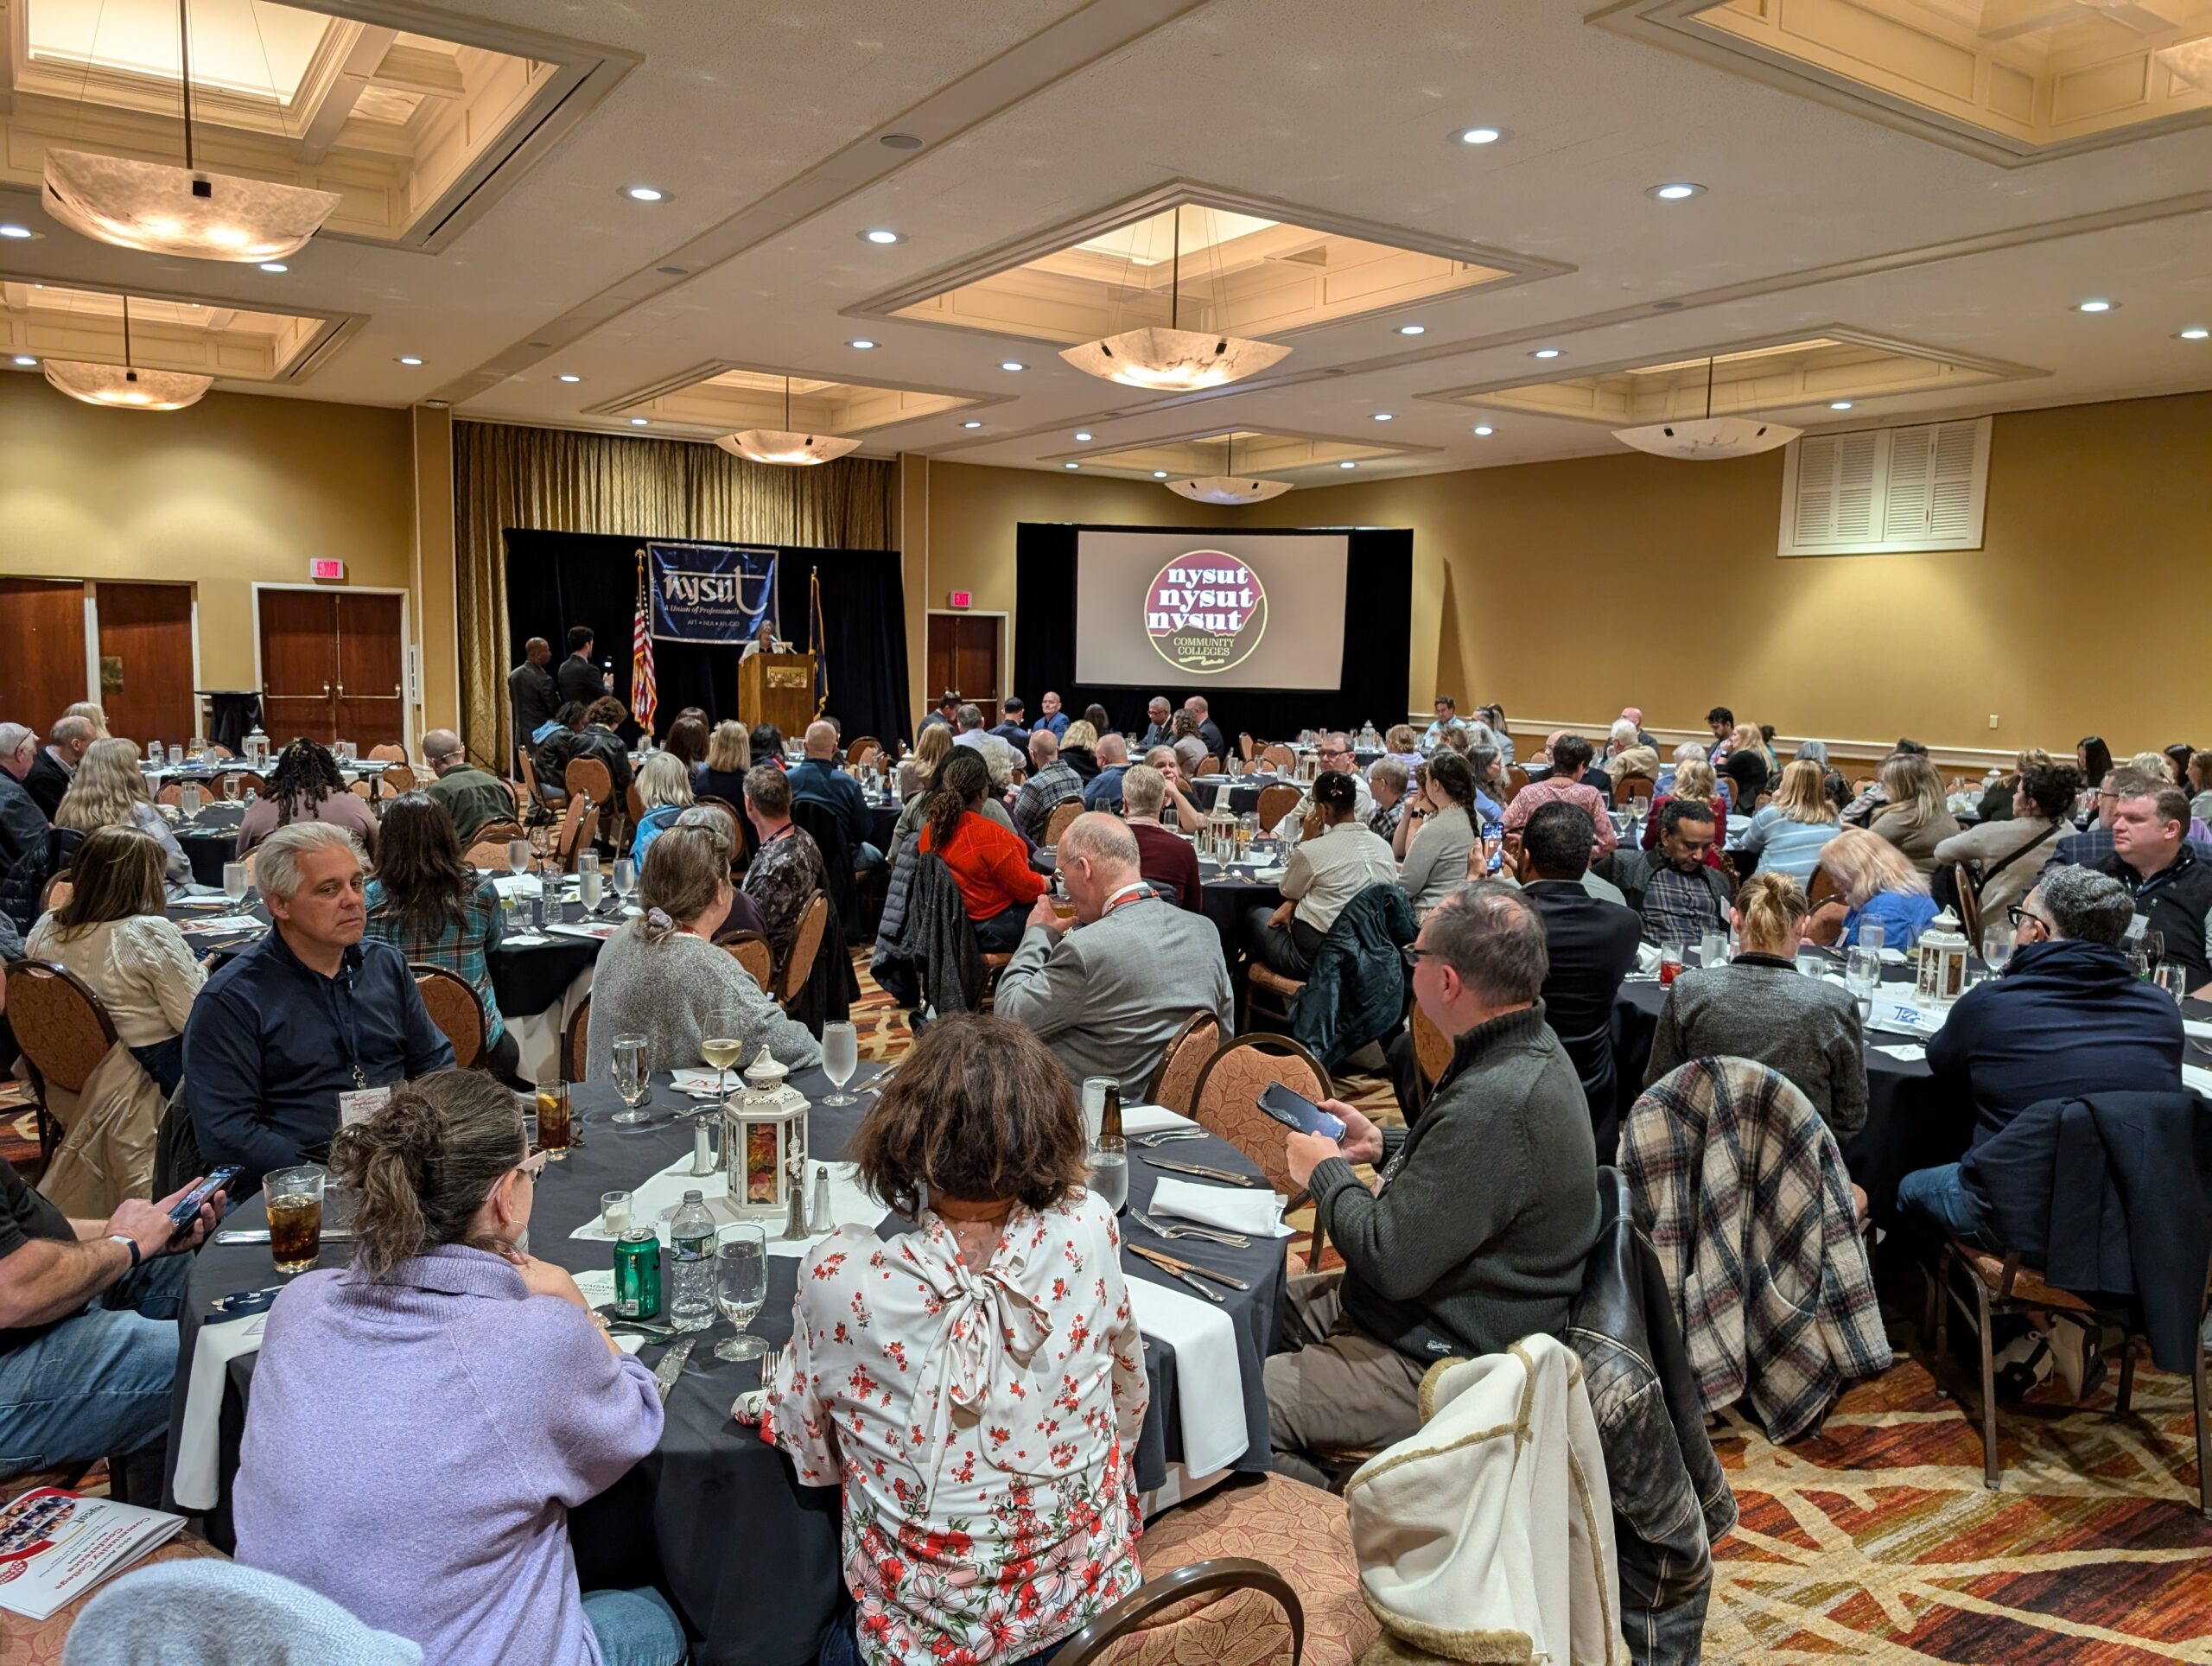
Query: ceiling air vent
{"points": [[1885, 490]]}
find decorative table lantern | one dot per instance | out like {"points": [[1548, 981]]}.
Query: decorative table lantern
{"points": [[1942, 963], [764, 1142]]}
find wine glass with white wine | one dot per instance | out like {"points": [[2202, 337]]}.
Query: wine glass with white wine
{"points": [[632, 1078], [841, 1057], [722, 1052]]}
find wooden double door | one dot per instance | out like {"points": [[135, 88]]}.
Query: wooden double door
{"points": [[143, 637], [964, 654], [332, 667]]}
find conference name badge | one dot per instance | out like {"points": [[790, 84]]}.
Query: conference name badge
{"points": [[1205, 612]]}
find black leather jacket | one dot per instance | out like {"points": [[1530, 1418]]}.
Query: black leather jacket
{"points": [[1670, 1499]]}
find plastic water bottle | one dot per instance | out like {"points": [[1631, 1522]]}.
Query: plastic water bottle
{"points": [[691, 1248]]}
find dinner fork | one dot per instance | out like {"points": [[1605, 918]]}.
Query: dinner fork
{"points": [[1228, 1240], [1164, 1135]]}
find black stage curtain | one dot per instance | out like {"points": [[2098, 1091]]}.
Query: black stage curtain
{"points": [[1378, 636], [556, 580]]}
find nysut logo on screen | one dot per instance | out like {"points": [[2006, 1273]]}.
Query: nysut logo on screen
{"points": [[1206, 612]]}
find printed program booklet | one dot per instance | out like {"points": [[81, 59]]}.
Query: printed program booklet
{"points": [[55, 1546]]}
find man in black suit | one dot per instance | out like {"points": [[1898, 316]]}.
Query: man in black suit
{"points": [[22, 823], [56, 764], [1209, 731], [1591, 944], [1009, 727], [579, 679], [532, 689]]}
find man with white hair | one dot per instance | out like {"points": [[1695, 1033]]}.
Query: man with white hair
{"points": [[310, 1028], [972, 734], [22, 823], [1106, 990], [1688, 753], [473, 797], [1162, 715], [55, 766]]}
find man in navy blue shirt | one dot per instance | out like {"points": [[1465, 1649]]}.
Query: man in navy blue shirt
{"points": [[818, 777], [1009, 727], [1103, 790], [1053, 718], [309, 1015]]}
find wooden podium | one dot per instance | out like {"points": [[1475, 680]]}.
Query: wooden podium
{"points": [[778, 689]]}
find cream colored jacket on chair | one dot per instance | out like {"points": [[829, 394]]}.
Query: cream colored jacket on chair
{"points": [[1488, 1535]]}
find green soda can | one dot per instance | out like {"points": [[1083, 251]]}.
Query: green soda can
{"points": [[637, 1274]]}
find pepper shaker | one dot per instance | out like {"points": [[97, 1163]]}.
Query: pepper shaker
{"points": [[702, 1149], [824, 1220]]}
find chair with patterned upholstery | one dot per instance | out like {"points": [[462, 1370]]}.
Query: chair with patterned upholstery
{"points": [[64, 1031], [388, 753], [1276, 756], [1245, 747], [59, 890], [1630, 788], [575, 1059], [579, 827], [456, 1010], [1212, 1596], [1175, 1084], [806, 943], [172, 795], [1057, 823], [550, 799], [1225, 1099], [1275, 803], [751, 950], [590, 775], [860, 749], [1432, 1051], [395, 781]]}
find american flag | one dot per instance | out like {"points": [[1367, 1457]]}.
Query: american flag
{"points": [[644, 696]]}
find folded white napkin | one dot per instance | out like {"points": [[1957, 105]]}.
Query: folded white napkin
{"points": [[198, 1438], [1892, 957], [703, 1081], [1647, 957], [2195, 1076], [1908, 1052], [1208, 1388], [597, 933], [1269, 875], [1255, 1213], [2196, 1027], [1151, 1119], [217, 925], [524, 940], [1896, 1013]]}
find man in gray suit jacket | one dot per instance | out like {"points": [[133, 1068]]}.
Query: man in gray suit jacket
{"points": [[1107, 997]]}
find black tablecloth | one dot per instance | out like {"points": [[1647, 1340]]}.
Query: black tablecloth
{"points": [[1227, 900], [750, 1558]]}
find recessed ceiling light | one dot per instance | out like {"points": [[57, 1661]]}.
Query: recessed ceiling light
{"points": [[900, 141], [645, 194], [408, 359], [880, 234], [637, 422], [971, 424], [861, 342], [1478, 135], [570, 376], [1071, 465], [1484, 431], [274, 266], [1347, 464], [1676, 191], [1838, 405], [1159, 473], [1080, 434], [438, 404], [26, 360], [2095, 306], [1413, 329], [2195, 333], [1011, 363], [17, 232], [1545, 353], [1383, 417]]}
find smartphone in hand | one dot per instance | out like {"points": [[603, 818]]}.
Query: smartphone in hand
{"points": [[1295, 1110], [189, 1205]]}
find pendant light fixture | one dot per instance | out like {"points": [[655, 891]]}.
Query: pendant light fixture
{"points": [[124, 386], [785, 445], [1708, 438], [166, 210], [1174, 360], [1224, 488]]}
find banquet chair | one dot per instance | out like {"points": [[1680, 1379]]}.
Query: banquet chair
{"points": [[248, 780], [576, 1061], [59, 890], [172, 794], [590, 775], [548, 800], [1174, 1083], [364, 788], [487, 853], [1281, 756], [64, 1031], [1631, 787], [388, 753], [1275, 803], [1244, 745], [456, 1009], [860, 749], [1018, 776], [398, 779], [806, 943], [1969, 896], [634, 802], [1516, 778], [578, 828], [501, 831], [1225, 1103], [1432, 1051], [1212, 1592], [1057, 823], [743, 840], [751, 950]]}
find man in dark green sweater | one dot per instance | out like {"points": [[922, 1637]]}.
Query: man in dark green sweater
{"points": [[1475, 1234]]}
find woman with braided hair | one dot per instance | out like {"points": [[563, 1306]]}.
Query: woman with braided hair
{"points": [[305, 787]]}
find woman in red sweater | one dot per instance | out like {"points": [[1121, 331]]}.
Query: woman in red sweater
{"points": [[990, 864]]}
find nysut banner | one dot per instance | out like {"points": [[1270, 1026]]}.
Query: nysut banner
{"points": [[710, 592]]}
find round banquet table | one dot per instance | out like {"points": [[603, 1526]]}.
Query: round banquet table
{"points": [[1230, 896], [208, 840], [750, 1558]]}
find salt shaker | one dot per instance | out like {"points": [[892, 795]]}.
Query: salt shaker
{"points": [[824, 1220], [795, 1223], [702, 1149]]}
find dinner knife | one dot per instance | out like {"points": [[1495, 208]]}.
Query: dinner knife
{"points": [[1201, 1171], [1177, 1264], [1208, 1292], [672, 1366]]}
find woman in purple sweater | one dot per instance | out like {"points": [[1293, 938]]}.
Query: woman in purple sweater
{"points": [[422, 1422]]}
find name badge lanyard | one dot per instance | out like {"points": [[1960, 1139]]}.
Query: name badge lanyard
{"points": [[348, 1029]]}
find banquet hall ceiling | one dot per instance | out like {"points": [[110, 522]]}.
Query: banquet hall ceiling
{"points": [[1054, 131]]}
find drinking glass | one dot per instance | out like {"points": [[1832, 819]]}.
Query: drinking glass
{"points": [[188, 800], [1873, 935], [2154, 946], [517, 857], [742, 1287], [615, 1213], [722, 1052], [591, 884], [1997, 947], [841, 1057], [153, 752], [1811, 962], [632, 1078], [1109, 1171], [1713, 949], [1094, 1104], [626, 877], [555, 1119], [2173, 977], [1862, 972], [295, 1216], [1670, 961], [1639, 810], [231, 789]]}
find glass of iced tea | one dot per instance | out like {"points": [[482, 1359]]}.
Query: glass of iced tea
{"points": [[296, 1215], [554, 1123]]}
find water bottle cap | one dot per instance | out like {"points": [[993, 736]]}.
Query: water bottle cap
{"points": [[695, 1197]]}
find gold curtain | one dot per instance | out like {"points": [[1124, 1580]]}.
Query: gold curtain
{"points": [[553, 480]]}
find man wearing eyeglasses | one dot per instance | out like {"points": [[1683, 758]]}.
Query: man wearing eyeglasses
{"points": [[1335, 748], [473, 797]]}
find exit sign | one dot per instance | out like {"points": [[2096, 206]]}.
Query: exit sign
{"points": [[960, 598], [320, 570]]}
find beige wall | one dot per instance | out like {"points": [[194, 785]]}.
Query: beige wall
{"points": [[1568, 590], [237, 488]]}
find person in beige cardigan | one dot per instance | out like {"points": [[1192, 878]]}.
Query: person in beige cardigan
{"points": [[1915, 819], [2007, 855]]}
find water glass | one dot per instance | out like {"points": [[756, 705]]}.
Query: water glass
{"points": [[1997, 947], [1873, 935], [841, 1057], [626, 876], [517, 857], [230, 788], [176, 756], [742, 1287], [188, 800], [1713, 949], [1862, 971], [1094, 1104], [1811, 962], [235, 883], [632, 1078], [2173, 977], [1109, 1159]]}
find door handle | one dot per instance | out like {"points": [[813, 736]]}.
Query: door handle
{"points": [[326, 688], [339, 688]]}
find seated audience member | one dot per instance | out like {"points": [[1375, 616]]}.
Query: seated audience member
{"points": [[2069, 1017], [1208, 732], [1493, 716], [1337, 860], [2091, 847], [2006, 853], [1010, 728], [661, 975], [1694, 783], [665, 789], [2157, 768], [917, 811], [2171, 884], [1789, 834], [471, 797], [1403, 742], [687, 740], [1049, 715], [1680, 895], [1634, 715], [1475, 1235], [113, 934], [1442, 833], [1160, 717], [918, 767], [1190, 749], [947, 714], [1455, 739], [1752, 737], [1106, 990], [1103, 790], [304, 786], [22, 823], [1447, 718], [729, 755], [88, 1338], [786, 871], [990, 864], [1168, 863], [1492, 789], [1570, 759], [548, 761], [979, 1140], [1996, 804], [92, 714], [1915, 818], [1874, 881], [431, 906], [1688, 753], [442, 1316], [2199, 785], [1049, 782], [1080, 747], [108, 789], [1095, 714], [598, 739], [1388, 780], [1336, 753], [55, 766], [1178, 808], [741, 915], [766, 741], [1002, 758], [309, 1013], [1744, 776], [819, 775], [1758, 1006], [1632, 765], [1590, 946]]}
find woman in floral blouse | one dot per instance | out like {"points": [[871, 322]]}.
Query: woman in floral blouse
{"points": [[976, 1385]]}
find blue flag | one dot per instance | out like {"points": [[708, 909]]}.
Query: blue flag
{"points": [[710, 592]]}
